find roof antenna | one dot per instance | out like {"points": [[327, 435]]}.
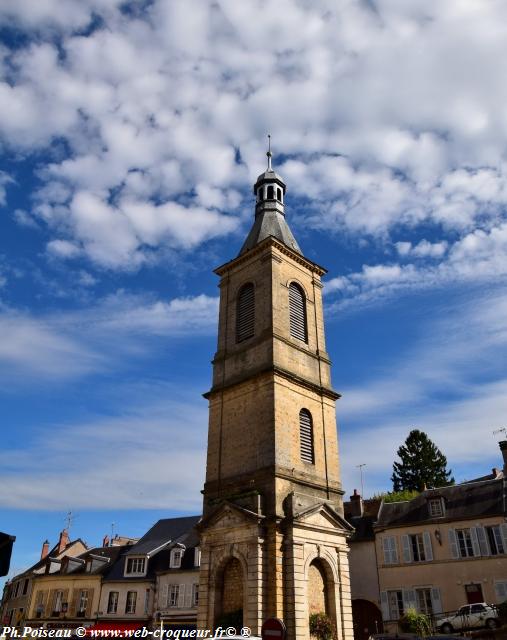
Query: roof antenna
{"points": [[269, 154]]}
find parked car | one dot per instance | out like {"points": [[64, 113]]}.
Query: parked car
{"points": [[470, 616]]}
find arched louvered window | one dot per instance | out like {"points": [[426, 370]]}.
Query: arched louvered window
{"points": [[279, 194], [271, 192], [297, 312], [306, 436], [260, 192], [245, 313]]}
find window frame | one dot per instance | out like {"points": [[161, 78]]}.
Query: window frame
{"points": [[436, 508], [306, 437], [135, 566], [173, 593], [82, 598], [298, 315], [177, 552], [112, 602], [464, 542], [131, 603], [245, 324]]}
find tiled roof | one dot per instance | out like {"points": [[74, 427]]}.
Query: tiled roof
{"points": [[462, 501]]}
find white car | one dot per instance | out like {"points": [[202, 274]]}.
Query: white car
{"points": [[470, 616]]}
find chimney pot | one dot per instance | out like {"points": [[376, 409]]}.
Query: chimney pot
{"points": [[356, 504], [63, 542], [45, 549]]}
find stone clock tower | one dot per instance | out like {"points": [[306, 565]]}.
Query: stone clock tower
{"points": [[273, 536]]}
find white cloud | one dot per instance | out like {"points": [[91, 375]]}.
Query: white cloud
{"points": [[379, 124], [137, 475], [459, 355], [76, 343]]}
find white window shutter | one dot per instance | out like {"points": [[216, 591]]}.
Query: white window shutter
{"points": [[394, 550], [387, 550], [503, 531], [165, 596], [406, 550], [181, 596], [384, 604], [501, 591], [188, 597], [409, 601], [475, 541], [453, 543], [428, 550], [436, 601], [483, 541]]}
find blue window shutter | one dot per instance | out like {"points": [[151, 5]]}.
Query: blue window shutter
{"points": [[406, 550], [453, 544], [428, 551], [436, 601]]}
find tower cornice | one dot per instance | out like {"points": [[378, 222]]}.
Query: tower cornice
{"points": [[277, 371], [258, 249]]}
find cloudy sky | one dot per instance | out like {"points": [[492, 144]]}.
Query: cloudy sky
{"points": [[131, 133]]}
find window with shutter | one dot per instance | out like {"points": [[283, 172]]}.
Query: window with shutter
{"points": [[297, 312], [306, 436], [245, 313]]}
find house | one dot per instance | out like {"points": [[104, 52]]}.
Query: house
{"points": [[364, 583], [18, 590], [444, 548], [66, 591], [178, 583], [128, 596]]}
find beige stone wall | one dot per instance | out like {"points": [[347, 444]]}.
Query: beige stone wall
{"points": [[448, 574], [122, 587], [363, 572], [71, 587]]}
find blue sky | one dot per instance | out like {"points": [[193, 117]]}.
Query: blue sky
{"points": [[131, 135]]}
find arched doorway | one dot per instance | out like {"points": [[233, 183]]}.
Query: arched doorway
{"points": [[318, 596], [230, 596], [367, 619]]}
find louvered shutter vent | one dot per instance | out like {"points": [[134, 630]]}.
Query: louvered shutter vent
{"points": [[297, 311], [306, 436], [245, 318]]}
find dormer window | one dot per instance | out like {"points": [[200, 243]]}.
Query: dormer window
{"points": [[436, 507], [135, 567], [176, 556]]}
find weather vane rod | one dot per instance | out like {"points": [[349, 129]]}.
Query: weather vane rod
{"points": [[269, 154]]}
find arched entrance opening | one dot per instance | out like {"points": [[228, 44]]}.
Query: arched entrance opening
{"points": [[367, 619], [318, 591], [230, 596]]}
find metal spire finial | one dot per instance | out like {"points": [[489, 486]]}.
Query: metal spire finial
{"points": [[269, 154]]}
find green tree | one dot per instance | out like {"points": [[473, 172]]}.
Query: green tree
{"points": [[422, 463]]}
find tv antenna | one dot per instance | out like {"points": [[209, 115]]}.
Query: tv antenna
{"points": [[69, 519], [360, 467]]}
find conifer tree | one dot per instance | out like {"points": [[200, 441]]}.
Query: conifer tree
{"points": [[422, 463]]}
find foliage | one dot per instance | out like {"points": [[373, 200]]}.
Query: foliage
{"points": [[413, 622], [422, 464], [321, 626], [231, 619], [397, 496]]}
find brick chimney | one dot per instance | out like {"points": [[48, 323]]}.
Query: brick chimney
{"points": [[105, 541], [45, 549], [503, 449], [63, 542], [356, 505]]}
